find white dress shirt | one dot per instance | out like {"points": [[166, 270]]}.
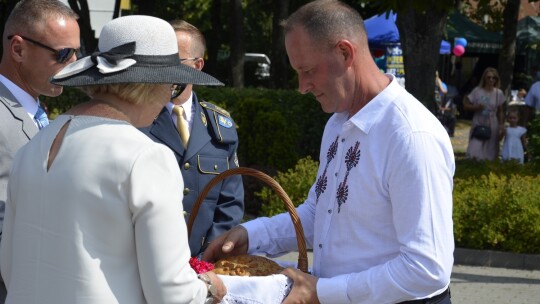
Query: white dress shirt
{"points": [[103, 225], [188, 112], [379, 216]]}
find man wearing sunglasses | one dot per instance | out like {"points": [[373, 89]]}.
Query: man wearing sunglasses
{"points": [[204, 140], [40, 38]]}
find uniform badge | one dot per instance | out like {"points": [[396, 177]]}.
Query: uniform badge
{"points": [[224, 121], [236, 162], [203, 119]]}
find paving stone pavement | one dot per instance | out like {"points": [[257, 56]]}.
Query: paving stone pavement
{"points": [[477, 284]]}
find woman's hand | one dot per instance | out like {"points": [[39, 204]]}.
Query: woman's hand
{"points": [[221, 290]]}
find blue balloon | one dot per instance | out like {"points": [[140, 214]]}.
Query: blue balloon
{"points": [[461, 41]]}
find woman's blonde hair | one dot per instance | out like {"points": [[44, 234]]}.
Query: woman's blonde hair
{"points": [[483, 79], [134, 93]]}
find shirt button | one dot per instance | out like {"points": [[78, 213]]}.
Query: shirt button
{"points": [[320, 245], [258, 247], [329, 210], [187, 166], [335, 174], [186, 191], [215, 167], [343, 140]]}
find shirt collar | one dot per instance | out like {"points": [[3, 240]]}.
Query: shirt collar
{"points": [[27, 102], [369, 114], [187, 105]]}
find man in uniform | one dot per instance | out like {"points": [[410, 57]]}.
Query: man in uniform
{"points": [[204, 140]]}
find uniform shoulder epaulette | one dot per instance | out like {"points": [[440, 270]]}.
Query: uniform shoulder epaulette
{"points": [[215, 108], [220, 124]]}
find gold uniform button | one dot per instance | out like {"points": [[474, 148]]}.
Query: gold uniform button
{"points": [[186, 191], [187, 166]]}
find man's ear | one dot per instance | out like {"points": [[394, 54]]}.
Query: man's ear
{"points": [[16, 49], [199, 64], [346, 50]]}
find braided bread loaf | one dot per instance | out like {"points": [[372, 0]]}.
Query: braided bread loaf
{"points": [[247, 265]]}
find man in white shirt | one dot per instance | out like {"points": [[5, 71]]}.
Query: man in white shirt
{"points": [[40, 38], [379, 216]]}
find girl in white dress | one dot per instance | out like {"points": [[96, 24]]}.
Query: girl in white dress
{"points": [[514, 138]]}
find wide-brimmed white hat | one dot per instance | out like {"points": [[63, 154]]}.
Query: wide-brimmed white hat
{"points": [[133, 49]]}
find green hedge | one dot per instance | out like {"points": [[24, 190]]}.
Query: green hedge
{"points": [[276, 127], [496, 205], [498, 212]]}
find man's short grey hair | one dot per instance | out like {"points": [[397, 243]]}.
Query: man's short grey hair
{"points": [[27, 15], [198, 48], [328, 21]]}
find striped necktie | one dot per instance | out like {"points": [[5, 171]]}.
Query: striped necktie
{"points": [[41, 118]]}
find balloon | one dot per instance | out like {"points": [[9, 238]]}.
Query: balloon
{"points": [[461, 41], [458, 50], [378, 53]]}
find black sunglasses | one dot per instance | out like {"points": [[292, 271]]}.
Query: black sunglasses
{"points": [[62, 55], [177, 89]]}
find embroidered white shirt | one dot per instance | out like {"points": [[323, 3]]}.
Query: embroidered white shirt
{"points": [[379, 216]]}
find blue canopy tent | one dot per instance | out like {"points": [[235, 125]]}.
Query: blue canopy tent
{"points": [[382, 31], [383, 39]]}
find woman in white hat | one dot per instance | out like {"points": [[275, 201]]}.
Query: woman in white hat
{"points": [[94, 210]]}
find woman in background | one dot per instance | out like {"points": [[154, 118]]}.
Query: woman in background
{"points": [[486, 101]]}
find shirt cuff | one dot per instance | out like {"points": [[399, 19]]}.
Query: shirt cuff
{"points": [[254, 230], [333, 290]]}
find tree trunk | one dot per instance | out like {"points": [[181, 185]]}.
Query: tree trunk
{"points": [[147, 7], [88, 36], [5, 9], [237, 43], [116, 12], [213, 39], [279, 67], [508, 51], [421, 36]]}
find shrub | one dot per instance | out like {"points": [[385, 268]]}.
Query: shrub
{"points": [[276, 128], [496, 204], [296, 182], [497, 212], [59, 105]]}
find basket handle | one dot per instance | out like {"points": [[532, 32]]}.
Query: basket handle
{"points": [[300, 238]]}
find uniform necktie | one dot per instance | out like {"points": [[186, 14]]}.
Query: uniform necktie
{"points": [[41, 118], [181, 124]]}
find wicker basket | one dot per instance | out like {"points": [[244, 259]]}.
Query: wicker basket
{"points": [[300, 238]]}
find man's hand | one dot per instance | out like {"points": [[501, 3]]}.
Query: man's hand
{"points": [[304, 288], [230, 243]]}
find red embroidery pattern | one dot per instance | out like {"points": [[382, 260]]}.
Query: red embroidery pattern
{"points": [[322, 181], [351, 160]]}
